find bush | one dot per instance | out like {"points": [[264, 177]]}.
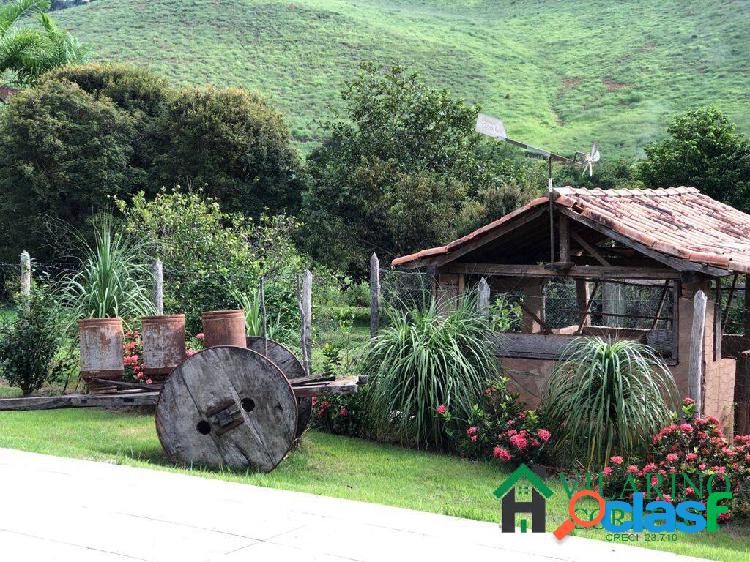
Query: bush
{"points": [[32, 344], [63, 154], [498, 428], [211, 258], [342, 414], [694, 447], [605, 397], [425, 358], [234, 146]]}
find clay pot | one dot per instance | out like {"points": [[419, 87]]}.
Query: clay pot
{"points": [[101, 348], [224, 327], [163, 344]]}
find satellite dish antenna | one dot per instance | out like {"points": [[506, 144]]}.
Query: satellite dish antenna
{"points": [[590, 158]]}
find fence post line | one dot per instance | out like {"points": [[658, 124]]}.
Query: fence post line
{"points": [[305, 308], [264, 326], [483, 304], [374, 295], [25, 274], [159, 287], [695, 364]]}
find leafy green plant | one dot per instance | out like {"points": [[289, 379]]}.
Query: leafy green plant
{"points": [[108, 284], [251, 306], [32, 342], [423, 359], [607, 397]]}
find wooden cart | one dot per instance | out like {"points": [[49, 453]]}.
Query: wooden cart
{"points": [[225, 406]]}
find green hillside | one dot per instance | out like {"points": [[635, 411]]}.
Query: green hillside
{"points": [[560, 74]]}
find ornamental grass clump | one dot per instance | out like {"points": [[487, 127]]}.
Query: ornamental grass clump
{"points": [[425, 358], [606, 398], [109, 282]]}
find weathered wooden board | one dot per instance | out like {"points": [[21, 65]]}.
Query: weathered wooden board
{"points": [[285, 360], [119, 400], [227, 406]]}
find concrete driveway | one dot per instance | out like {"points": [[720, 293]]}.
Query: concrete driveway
{"points": [[64, 509]]}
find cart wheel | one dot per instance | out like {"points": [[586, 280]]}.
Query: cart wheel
{"points": [[227, 406], [285, 360]]}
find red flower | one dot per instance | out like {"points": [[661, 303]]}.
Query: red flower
{"points": [[474, 438], [686, 427], [607, 471], [519, 441], [200, 336], [689, 491], [343, 412], [688, 401], [672, 457], [502, 454], [149, 381], [544, 435], [472, 430], [616, 460], [632, 469], [691, 456], [190, 352], [441, 409]]}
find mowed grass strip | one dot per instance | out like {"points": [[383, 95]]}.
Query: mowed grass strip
{"points": [[328, 465]]}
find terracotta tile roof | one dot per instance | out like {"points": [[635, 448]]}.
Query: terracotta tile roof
{"points": [[679, 222]]}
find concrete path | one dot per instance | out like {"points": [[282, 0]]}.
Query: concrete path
{"points": [[64, 509]]}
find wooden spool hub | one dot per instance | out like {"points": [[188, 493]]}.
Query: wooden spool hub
{"points": [[285, 360], [227, 406]]}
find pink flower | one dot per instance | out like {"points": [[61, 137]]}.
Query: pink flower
{"points": [[544, 435], [343, 412], [149, 381], [689, 491], [200, 336], [519, 441], [702, 434], [632, 469], [616, 460], [522, 416], [649, 468], [691, 456], [702, 466], [686, 427], [314, 401], [502, 454], [688, 401], [441, 409], [723, 517], [472, 430], [607, 471], [671, 457], [473, 438]]}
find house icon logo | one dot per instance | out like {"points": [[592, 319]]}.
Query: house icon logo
{"points": [[533, 494]]}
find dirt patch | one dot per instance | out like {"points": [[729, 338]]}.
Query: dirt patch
{"points": [[612, 85], [568, 83]]}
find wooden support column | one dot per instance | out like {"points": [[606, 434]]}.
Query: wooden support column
{"points": [[25, 274], [582, 301], [697, 343], [305, 308], [533, 305], [483, 303], [563, 225], [747, 306], [158, 273]]}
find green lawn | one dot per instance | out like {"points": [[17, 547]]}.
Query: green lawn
{"points": [[561, 74], [327, 465]]}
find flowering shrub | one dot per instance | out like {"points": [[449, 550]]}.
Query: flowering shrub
{"points": [[341, 414], [132, 351], [195, 344], [498, 428], [685, 460]]}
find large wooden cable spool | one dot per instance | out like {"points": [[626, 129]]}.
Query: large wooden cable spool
{"points": [[227, 406], [285, 360]]}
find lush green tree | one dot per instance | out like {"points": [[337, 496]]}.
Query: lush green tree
{"points": [[28, 51], [63, 153], [703, 150], [212, 258], [234, 146], [396, 174]]}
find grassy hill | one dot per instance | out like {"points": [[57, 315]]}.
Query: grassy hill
{"points": [[560, 74]]}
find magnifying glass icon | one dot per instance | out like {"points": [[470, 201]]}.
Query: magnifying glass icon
{"points": [[569, 524]]}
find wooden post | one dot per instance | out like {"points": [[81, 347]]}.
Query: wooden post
{"points": [[747, 307], [374, 295], [484, 298], [564, 239], [159, 287], [695, 366], [264, 319], [25, 274], [305, 308], [582, 302]]}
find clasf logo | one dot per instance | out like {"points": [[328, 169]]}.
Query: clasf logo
{"points": [[615, 516]]}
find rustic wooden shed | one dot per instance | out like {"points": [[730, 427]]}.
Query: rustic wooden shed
{"points": [[668, 249]]}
